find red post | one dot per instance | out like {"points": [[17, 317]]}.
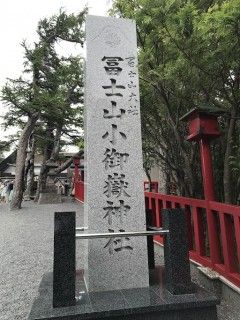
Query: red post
{"points": [[77, 176], [209, 195], [207, 170], [203, 127]]}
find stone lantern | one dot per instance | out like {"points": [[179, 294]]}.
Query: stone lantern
{"points": [[203, 127], [201, 124]]}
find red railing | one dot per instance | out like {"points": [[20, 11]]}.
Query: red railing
{"points": [[79, 190], [213, 231]]}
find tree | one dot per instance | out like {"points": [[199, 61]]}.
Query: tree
{"points": [[219, 28], [188, 57], [21, 98], [63, 117], [29, 99], [29, 167]]}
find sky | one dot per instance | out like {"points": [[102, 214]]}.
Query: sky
{"points": [[18, 22]]}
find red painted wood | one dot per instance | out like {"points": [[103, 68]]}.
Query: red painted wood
{"points": [[150, 203], [227, 214], [175, 205], [205, 261], [207, 170], [229, 208], [227, 242], [188, 201], [213, 209], [213, 236], [203, 126], [231, 276], [237, 234], [79, 190]]}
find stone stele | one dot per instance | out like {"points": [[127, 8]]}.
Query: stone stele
{"points": [[113, 152]]}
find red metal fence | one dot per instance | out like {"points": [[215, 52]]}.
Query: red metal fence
{"points": [[213, 231]]}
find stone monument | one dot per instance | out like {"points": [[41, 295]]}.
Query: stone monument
{"points": [[113, 152], [116, 274]]}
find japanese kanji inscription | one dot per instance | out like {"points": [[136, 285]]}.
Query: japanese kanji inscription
{"points": [[113, 151]]}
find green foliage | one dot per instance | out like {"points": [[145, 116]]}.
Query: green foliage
{"points": [[235, 166], [80, 143], [188, 57], [63, 27], [51, 85]]}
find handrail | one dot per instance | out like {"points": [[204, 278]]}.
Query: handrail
{"points": [[213, 231], [81, 228], [121, 234]]}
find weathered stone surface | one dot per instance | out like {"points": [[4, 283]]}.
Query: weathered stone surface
{"points": [[64, 267], [152, 303], [114, 177], [178, 278]]}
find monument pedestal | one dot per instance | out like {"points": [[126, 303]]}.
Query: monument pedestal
{"points": [[151, 303]]}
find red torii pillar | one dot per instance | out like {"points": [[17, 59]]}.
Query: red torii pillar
{"points": [[203, 127], [77, 174]]}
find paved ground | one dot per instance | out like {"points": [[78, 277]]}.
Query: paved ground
{"points": [[26, 242]]}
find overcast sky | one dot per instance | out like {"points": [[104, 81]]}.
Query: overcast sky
{"points": [[18, 21]]}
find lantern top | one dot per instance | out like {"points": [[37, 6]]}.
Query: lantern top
{"points": [[205, 109], [202, 123]]}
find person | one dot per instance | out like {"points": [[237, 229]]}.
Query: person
{"points": [[4, 193], [11, 184], [2, 196]]}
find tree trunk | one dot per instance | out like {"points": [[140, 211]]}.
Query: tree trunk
{"points": [[167, 182], [42, 178], [47, 153], [30, 182], [20, 162], [29, 172], [227, 176], [56, 145], [42, 181], [147, 171]]}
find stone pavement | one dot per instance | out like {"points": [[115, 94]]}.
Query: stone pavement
{"points": [[26, 242]]}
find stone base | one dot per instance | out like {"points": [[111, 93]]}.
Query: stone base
{"points": [[49, 198], [152, 303]]}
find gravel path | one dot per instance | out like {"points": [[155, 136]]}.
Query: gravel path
{"points": [[26, 242]]}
